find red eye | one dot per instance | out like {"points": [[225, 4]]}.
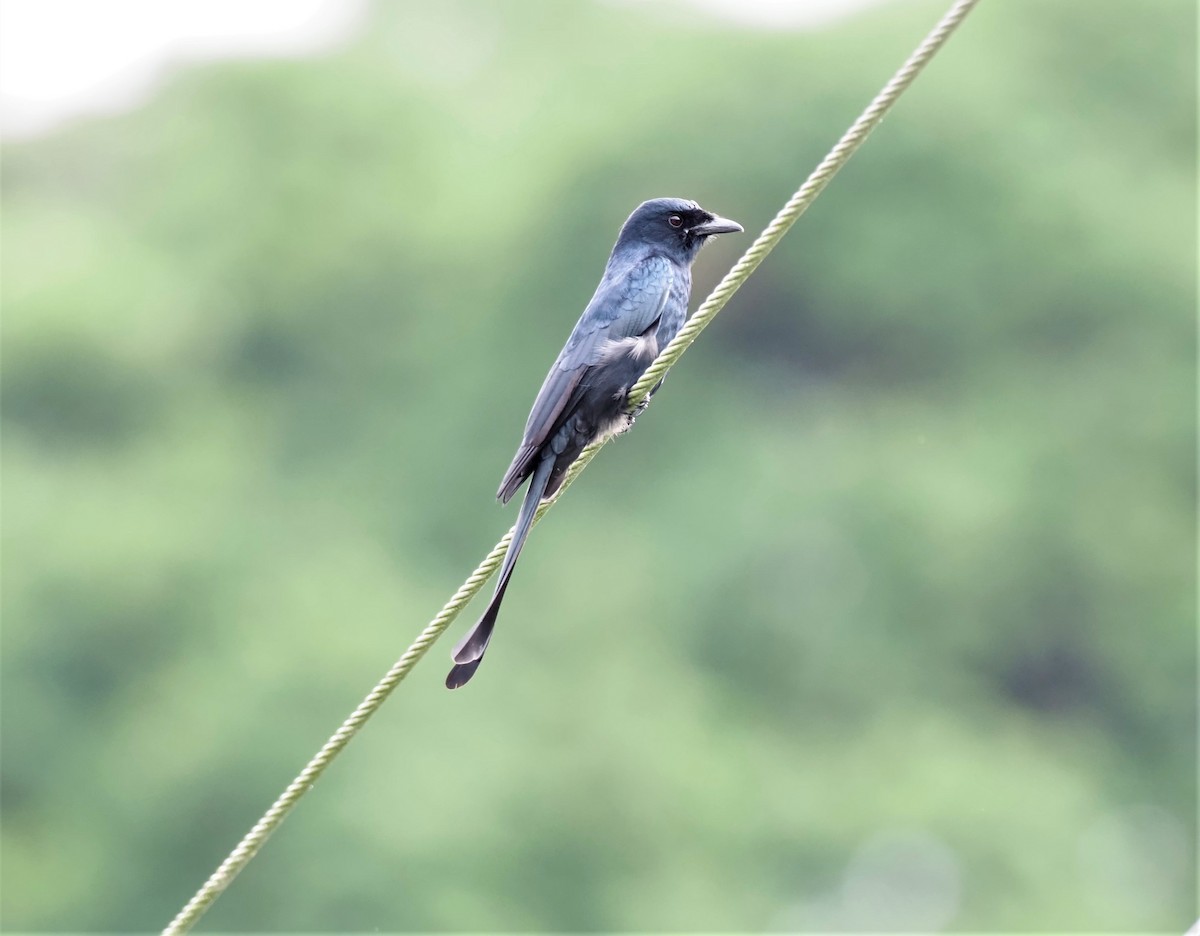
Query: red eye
{"points": [[675, 221]]}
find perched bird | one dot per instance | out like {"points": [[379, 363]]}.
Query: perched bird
{"points": [[640, 304]]}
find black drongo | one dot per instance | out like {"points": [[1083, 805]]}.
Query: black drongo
{"points": [[638, 307]]}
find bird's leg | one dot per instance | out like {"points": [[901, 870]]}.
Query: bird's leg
{"points": [[641, 407], [638, 410]]}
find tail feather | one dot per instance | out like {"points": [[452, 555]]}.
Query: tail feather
{"points": [[470, 650], [517, 472], [461, 674], [475, 643]]}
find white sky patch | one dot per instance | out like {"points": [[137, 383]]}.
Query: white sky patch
{"points": [[780, 14], [64, 58]]}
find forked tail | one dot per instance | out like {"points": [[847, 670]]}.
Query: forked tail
{"points": [[469, 652]]}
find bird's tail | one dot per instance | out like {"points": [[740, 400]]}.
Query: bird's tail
{"points": [[469, 652]]}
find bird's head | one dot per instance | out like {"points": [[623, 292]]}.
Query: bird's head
{"points": [[676, 226]]}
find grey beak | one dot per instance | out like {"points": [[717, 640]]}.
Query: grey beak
{"points": [[717, 225]]}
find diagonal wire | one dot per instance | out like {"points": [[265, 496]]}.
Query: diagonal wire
{"points": [[805, 196], [250, 844]]}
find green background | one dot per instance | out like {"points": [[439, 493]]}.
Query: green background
{"points": [[882, 618]]}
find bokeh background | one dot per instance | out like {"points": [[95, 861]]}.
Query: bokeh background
{"points": [[883, 618]]}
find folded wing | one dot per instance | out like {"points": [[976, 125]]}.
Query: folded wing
{"points": [[626, 303]]}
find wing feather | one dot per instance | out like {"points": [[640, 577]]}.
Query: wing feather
{"points": [[627, 302]]}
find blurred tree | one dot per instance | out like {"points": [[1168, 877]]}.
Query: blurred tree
{"points": [[883, 617]]}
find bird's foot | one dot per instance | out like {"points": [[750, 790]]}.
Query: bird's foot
{"points": [[626, 421], [637, 411]]}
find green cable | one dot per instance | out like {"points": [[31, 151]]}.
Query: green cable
{"points": [[250, 844]]}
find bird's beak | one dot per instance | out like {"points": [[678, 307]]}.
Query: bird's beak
{"points": [[717, 225]]}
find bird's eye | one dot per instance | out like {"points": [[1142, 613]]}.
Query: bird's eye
{"points": [[675, 221]]}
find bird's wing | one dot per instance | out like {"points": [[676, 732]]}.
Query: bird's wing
{"points": [[624, 306]]}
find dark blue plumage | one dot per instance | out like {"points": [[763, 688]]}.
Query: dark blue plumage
{"points": [[640, 304]]}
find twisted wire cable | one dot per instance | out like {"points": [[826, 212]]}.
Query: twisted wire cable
{"points": [[253, 840]]}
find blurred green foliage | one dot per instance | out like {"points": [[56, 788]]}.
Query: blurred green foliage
{"points": [[883, 617]]}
